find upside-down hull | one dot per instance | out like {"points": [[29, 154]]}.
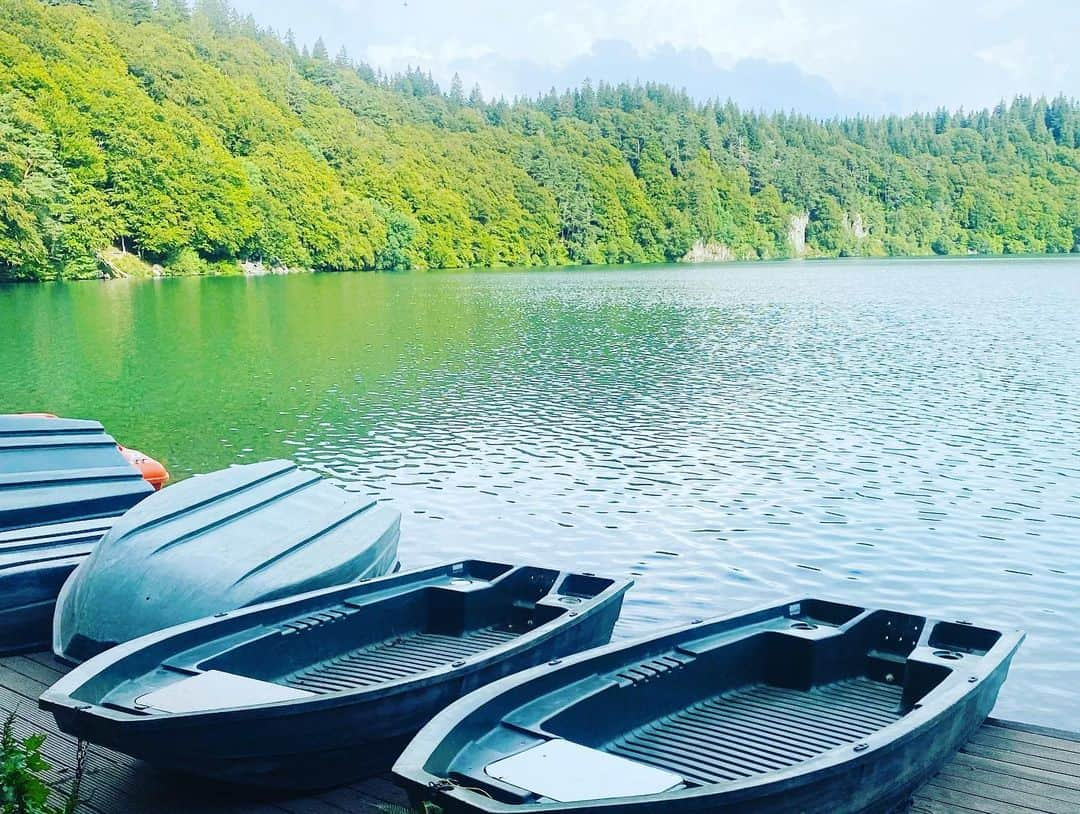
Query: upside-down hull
{"points": [[63, 483], [212, 543]]}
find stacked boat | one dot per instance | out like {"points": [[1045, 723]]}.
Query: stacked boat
{"points": [[249, 625], [63, 483]]}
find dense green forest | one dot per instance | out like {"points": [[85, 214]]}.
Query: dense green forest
{"points": [[136, 134]]}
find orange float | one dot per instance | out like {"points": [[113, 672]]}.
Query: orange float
{"points": [[152, 471]]}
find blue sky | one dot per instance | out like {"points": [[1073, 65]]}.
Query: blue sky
{"points": [[817, 56]]}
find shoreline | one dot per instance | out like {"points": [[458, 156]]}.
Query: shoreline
{"points": [[251, 269]]}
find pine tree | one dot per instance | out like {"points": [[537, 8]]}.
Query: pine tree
{"points": [[216, 13], [171, 12], [457, 91]]}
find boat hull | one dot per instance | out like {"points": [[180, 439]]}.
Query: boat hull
{"points": [[343, 742], [814, 725], [877, 785], [28, 601], [354, 713], [63, 483], [216, 542]]}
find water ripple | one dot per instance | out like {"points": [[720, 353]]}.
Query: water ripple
{"points": [[730, 437], [897, 433]]}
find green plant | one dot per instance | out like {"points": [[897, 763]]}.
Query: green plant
{"points": [[22, 787], [22, 791]]}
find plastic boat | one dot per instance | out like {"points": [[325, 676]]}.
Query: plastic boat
{"points": [[808, 706], [327, 687], [153, 472], [216, 542], [63, 483]]}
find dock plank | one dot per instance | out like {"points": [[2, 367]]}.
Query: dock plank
{"points": [[1035, 738], [1010, 771], [1018, 758], [948, 800], [999, 794], [986, 737], [1006, 768], [990, 779]]}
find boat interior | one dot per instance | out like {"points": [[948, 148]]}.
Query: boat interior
{"points": [[723, 703], [396, 629]]}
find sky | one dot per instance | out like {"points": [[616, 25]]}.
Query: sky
{"points": [[820, 57]]}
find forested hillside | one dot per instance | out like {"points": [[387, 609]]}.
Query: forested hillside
{"points": [[135, 133]]}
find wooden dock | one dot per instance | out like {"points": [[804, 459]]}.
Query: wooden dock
{"points": [[1006, 768]]}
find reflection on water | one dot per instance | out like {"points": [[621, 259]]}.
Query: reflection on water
{"points": [[895, 433]]}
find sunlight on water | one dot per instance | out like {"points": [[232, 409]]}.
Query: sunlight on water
{"points": [[897, 433]]}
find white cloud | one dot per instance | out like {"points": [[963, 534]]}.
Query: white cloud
{"points": [[899, 55], [1013, 56]]}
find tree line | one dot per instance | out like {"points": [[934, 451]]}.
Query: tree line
{"points": [[137, 133]]}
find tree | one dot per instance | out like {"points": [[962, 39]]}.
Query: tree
{"points": [[203, 140], [216, 13], [172, 12], [457, 93]]}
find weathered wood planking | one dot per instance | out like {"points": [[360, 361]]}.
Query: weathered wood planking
{"points": [[117, 784], [1006, 768]]}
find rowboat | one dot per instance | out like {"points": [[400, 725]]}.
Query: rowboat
{"points": [[63, 483], [216, 542], [806, 706], [327, 687]]}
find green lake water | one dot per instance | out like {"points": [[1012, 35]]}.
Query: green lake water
{"points": [[901, 433]]}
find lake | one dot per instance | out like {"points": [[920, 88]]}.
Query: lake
{"points": [[901, 433]]}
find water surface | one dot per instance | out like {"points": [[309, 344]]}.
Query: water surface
{"points": [[896, 433]]}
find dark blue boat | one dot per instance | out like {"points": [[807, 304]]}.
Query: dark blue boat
{"points": [[808, 706], [327, 687], [63, 483], [215, 542]]}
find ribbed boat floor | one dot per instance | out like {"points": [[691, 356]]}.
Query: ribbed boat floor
{"points": [[760, 729], [394, 659]]}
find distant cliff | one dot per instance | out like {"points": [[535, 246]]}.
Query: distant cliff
{"points": [[140, 138]]}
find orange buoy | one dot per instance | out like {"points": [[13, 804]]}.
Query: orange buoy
{"points": [[152, 471]]}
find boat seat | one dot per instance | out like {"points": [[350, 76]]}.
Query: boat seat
{"points": [[568, 773], [216, 690]]}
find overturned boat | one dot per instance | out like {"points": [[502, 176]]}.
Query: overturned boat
{"points": [[216, 542], [327, 687], [63, 483], [808, 706]]}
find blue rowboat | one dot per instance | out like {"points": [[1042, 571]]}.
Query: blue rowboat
{"points": [[212, 543], [327, 687], [808, 706]]}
